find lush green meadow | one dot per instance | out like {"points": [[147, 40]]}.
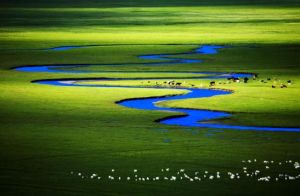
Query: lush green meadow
{"points": [[47, 131]]}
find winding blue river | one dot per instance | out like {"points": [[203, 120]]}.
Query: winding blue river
{"points": [[188, 117]]}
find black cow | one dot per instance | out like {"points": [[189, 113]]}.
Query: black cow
{"points": [[283, 86]]}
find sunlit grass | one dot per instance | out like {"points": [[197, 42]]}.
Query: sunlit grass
{"points": [[235, 24]]}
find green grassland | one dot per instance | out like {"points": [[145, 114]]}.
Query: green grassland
{"points": [[182, 25], [47, 131]]}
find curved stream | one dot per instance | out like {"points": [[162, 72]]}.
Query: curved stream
{"points": [[189, 117]]}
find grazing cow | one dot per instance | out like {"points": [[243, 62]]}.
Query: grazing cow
{"points": [[289, 82], [236, 80], [283, 86], [246, 80], [171, 82], [212, 83], [178, 83], [255, 76], [273, 86]]}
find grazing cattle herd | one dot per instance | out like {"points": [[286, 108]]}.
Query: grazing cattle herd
{"points": [[275, 82]]}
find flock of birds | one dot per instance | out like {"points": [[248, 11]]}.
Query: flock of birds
{"points": [[248, 171], [172, 83]]}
